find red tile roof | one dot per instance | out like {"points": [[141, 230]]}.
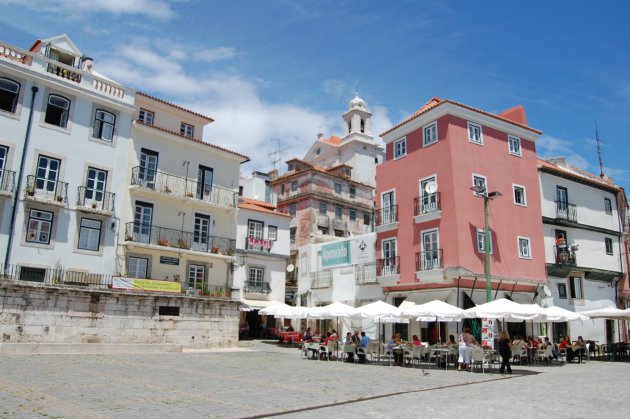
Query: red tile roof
{"points": [[577, 174], [333, 140], [175, 106], [260, 206], [35, 45], [436, 101]]}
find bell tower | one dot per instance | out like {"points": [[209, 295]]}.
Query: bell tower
{"points": [[357, 120]]}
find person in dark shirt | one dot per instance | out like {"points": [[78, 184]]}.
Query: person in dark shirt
{"points": [[505, 350]]}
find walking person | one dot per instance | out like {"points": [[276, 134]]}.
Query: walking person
{"points": [[505, 350]]}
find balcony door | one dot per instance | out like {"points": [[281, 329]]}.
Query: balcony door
{"points": [[201, 233], [47, 173], [204, 182], [143, 217], [4, 185], [148, 168], [428, 199], [95, 187], [389, 257], [430, 250], [388, 201], [562, 198]]}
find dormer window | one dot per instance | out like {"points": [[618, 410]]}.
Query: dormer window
{"points": [[290, 166], [186, 130], [61, 57]]}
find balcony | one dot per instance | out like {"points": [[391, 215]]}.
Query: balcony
{"points": [[46, 191], [323, 221], [161, 236], [387, 218], [258, 245], [564, 255], [388, 266], [7, 182], [252, 287], [427, 207], [365, 274], [321, 279], [429, 260], [182, 187], [566, 211], [90, 200]]}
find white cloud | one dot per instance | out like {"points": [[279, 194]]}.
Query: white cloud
{"points": [[72, 8], [549, 146]]}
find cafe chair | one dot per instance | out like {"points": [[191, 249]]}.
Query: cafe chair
{"points": [[417, 354], [407, 358], [372, 350], [519, 352], [387, 355], [346, 351], [361, 351], [478, 358]]}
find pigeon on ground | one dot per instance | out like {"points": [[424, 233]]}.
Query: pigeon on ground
{"points": [[425, 372]]}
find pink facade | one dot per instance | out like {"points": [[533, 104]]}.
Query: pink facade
{"points": [[451, 231]]}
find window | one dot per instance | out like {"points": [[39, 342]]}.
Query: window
{"points": [[4, 151], [282, 189], [197, 277], [95, 186], [337, 188], [562, 291], [347, 171], [290, 166], [89, 234], [104, 123], [362, 125], [323, 208], [292, 231], [137, 267], [338, 211], [515, 145], [575, 287], [57, 111], [366, 218], [519, 195], [148, 167], [205, 177], [255, 229], [481, 242], [240, 191], [39, 226], [479, 180], [142, 219], [201, 232], [146, 116], [9, 93], [609, 246], [186, 130], [256, 278], [47, 173], [474, 133], [339, 233], [272, 233], [294, 186], [608, 205], [353, 192], [319, 150], [292, 210], [429, 134], [400, 148], [524, 250], [324, 230], [353, 214]]}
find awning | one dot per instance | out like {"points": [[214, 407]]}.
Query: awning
{"points": [[479, 296], [249, 305], [424, 296]]}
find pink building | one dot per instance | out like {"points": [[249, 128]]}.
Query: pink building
{"points": [[430, 223]]}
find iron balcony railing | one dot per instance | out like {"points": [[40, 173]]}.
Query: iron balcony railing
{"points": [[198, 241], [55, 276], [566, 211], [7, 180], [99, 200], [426, 204], [46, 189], [182, 187], [256, 287], [365, 273], [388, 266], [260, 245], [564, 255], [321, 279], [387, 215], [429, 260]]}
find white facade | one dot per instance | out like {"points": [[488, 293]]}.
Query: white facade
{"points": [[583, 233], [257, 187], [68, 189]]}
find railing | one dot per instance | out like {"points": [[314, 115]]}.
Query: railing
{"points": [[182, 187], [64, 71], [566, 211], [323, 220], [261, 245], [429, 260], [55, 276], [339, 224], [387, 215], [387, 266], [321, 279], [564, 255], [365, 273], [149, 234], [44, 189], [7, 180], [257, 287], [100, 200], [426, 204]]}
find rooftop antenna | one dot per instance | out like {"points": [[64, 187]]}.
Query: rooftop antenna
{"points": [[276, 155], [599, 151]]}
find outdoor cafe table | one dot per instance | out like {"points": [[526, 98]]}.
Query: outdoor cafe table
{"points": [[439, 352]]}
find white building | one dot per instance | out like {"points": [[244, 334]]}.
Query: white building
{"points": [[583, 245], [64, 137]]}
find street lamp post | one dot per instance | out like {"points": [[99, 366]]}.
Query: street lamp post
{"points": [[487, 196]]}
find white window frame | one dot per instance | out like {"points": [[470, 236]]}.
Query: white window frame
{"points": [[146, 116], [294, 186], [338, 212], [89, 235], [255, 229], [256, 276], [272, 233], [523, 194], [134, 264], [400, 148], [577, 290], [10, 93], [481, 240], [485, 183], [187, 130], [352, 214], [520, 241], [353, 191], [433, 128], [470, 137], [193, 279], [608, 206], [516, 140], [65, 111], [338, 188], [606, 241], [293, 210], [101, 124], [37, 219]]}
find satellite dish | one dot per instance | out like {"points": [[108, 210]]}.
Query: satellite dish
{"points": [[431, 187], [290, 267], [547, 291]]}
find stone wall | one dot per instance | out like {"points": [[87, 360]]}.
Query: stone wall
{"points": [[45, 314]]}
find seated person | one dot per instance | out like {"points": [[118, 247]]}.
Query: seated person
{"points": [[451, 344], [415, 340], [392, 346], [364, 342], [579, 347], [308, 335], [566, 346], [348, 341], [546, 343]]}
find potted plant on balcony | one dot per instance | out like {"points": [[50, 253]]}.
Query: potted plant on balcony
{"points": [[59, 198], [162, 242], [189, 194], [93, 204], [182, 244], [167, 189], [214, 250], [129, 238], [29, 190]]}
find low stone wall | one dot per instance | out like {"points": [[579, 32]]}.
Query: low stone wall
{"points": [[46, 314]]}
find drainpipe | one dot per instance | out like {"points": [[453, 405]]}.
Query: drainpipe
{"points": [[18, 189]]}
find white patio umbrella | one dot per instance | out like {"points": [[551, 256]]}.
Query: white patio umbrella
{"points": [[380, 311], [331, 311], [274, 309], [558, 314], [506, 310], [435, 310], [609, 312]]}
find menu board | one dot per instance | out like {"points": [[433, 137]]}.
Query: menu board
{"points": [[487, 333]]}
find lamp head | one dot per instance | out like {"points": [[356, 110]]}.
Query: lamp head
{"points": [[494, 194], [478, 189]]}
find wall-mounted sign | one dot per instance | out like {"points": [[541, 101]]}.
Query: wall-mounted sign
{"points": [[259, 244], [145, 285], [169, 260], [335, 254]]}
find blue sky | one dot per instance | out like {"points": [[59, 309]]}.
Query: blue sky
{"points": [[278, 71]]}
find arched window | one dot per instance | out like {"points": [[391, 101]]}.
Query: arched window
{"points": [[104, 125], [9, 92], [57, 111]]}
